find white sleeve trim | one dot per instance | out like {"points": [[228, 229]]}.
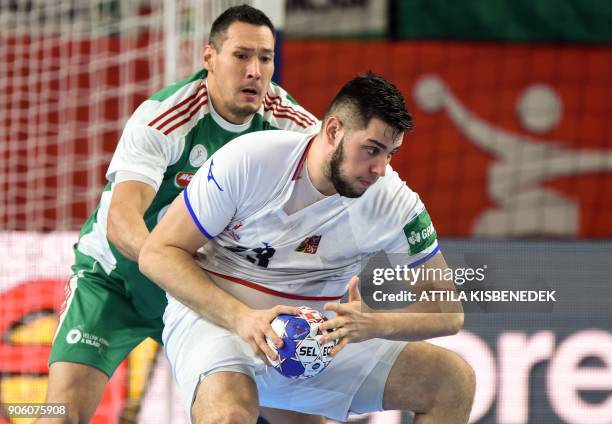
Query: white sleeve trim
{"points": [[122, 176]]}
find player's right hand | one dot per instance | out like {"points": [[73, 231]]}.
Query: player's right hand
{"points": [[255, 327]]}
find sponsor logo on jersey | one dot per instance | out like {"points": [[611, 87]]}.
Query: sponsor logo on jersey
{"points": [[198, 156], [211, 177], [182, 179], [259, 256], [77, 336], [232, 231], [309, 245], [420, 233], [74, 336]]}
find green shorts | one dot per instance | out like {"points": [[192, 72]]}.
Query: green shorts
{"points": [[99, 325]]}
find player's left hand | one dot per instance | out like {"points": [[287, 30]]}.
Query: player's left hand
{"points": [[349, 324]]}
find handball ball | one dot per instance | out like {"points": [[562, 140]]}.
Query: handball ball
{"points": [[301, 356]]}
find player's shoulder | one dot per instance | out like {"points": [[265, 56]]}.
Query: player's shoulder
{"points": [[256, 166], [166, 107], [273, 149], [389, 202], [282, 111], [383, 211]]}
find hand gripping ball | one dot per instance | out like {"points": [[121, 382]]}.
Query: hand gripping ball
{"points": [[302, 355]]}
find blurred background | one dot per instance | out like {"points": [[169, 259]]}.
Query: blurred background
{"points": [[511, 101]]}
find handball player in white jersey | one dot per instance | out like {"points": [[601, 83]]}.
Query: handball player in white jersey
{"points": [[278, 219]]}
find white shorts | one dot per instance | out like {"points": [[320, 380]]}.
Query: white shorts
{"points": [[353, 382]]}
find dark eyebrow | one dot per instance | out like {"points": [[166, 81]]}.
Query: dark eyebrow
{"points": [[382, 146], [248, 49], [378, 143]]}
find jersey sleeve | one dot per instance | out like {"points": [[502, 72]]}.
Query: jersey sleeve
{"points": [[213, 193], [284, 113], [417, 241], [404, 229], [121, 176], [141, 150]]}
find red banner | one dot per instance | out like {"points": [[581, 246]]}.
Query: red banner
{"points": [[510, 140]]}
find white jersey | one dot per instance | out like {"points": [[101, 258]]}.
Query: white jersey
{"points": [[238, 199]]}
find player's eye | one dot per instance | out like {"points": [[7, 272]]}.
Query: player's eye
{"points": [[372, 151], [266, 59], [241, 56]]}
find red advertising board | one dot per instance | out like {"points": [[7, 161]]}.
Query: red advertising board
{"points": [[510, 140]]}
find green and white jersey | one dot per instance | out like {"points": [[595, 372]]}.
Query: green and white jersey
{"points": [[167, 139]]}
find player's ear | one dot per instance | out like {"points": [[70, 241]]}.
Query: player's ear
{"points": [[333, 130], [209, 57]]}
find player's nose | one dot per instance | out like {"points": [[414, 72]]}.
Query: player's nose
{"points": [[379, 167], [253, 68]]}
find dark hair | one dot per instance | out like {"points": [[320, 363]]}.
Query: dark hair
{"points": [[367, 96], [243, 13]]}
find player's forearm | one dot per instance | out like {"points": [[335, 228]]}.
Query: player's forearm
{"points": [[126, 229], [424, 319], [412, 326], [175, 271]]}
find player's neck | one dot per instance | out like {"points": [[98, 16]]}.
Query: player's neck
{"points": [[316, 168], [219, 107]]}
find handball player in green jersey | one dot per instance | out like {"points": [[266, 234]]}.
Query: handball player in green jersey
{"points": [[110, 306]]}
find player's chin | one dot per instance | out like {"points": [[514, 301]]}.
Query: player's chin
{"points": [[359, 193], [354, 192], [249, 108]]}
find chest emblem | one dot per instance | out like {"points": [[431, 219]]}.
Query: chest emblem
{"points": [[198, 156], [309, 245]]}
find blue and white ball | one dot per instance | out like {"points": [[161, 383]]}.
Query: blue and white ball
{"points": [[302, 355]]}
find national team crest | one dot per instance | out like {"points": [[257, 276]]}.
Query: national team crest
{"points": [[198, 156], [309, 245]]}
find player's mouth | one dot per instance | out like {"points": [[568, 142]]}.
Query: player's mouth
{"points": [[366, 183], [250, 93]]}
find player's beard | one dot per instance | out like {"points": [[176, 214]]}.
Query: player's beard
{"points": [[334, 173], [244, 113]]}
